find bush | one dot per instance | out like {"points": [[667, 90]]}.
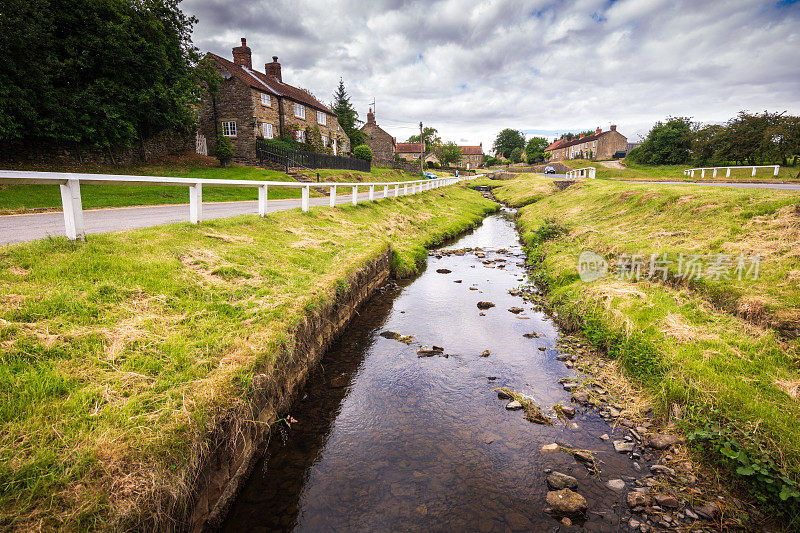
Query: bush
{"points": [[224, 150], [285, 143], [433, 164], [516, 155], [362, 151]]}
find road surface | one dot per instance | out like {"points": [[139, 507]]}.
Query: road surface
{"points": [[30, 227]]}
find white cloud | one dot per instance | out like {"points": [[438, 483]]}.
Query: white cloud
{"points": [[471, 69]]}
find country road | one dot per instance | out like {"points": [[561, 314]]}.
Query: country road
{"points": [[30, 227]]}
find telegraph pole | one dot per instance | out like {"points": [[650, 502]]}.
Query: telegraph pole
{"points": [[421, 150]]}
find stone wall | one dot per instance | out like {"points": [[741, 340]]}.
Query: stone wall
{"points": [[380, 142], [331, 129], [408, 166]]}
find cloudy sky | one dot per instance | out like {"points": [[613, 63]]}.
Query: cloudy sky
{"points": [[472, 68]]}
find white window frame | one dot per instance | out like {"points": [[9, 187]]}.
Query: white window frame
{"points": [[301, 136], [267, 131], [228, 128], [299, 110], [325, 141], [322, 118], [266, 100]]}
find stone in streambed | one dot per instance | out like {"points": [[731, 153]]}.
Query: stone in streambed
{"points": [[661, 442], [622, 446], [559, 481], [443, 271], [637, 501], [550, 448], [486, 353], [485, 305], [667, 501], [503, 395], [616, 484], [580, 397], [516, 310], [514, 405], [566, 502]]}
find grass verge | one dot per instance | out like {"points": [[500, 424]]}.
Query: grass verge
{"points": [[521, 190], [637, 171], [119, 356], [719, 355]]}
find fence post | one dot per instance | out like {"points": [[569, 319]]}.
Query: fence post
{"points": [[405, 188], [304, 203], [385, 191], [333, 196], [371, 193], [262, 200], [396, 190], [754, 173], [196, 203], [777, 167], [355, 194], [73, 210], [715, 172], [692, 173], [728, 174], [702, 173]]}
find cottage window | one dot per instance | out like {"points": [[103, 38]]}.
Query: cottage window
{"points": [[324, 141], [266, 130], [321, 118], [301, 136], [594, 144], [299, 111], [229, 128], [265, 99]]}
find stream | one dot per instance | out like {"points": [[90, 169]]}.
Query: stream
{"points": [[388, 440]]}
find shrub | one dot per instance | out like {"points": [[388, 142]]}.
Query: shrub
{"points": [[362, 151], [516, 155], [224, 150], [314, 139], [284, 143]]}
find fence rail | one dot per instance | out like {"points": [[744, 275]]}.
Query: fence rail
{"points": [[73, 209], [702, 170], [588, 172], [300, 158]]}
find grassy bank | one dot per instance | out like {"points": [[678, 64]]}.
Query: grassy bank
{"points": [[21, 198], [720, 354], [522, 190], [636, 171], [119, 356]]}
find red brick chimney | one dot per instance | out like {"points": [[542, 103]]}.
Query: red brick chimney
{"points": [[613, 127], [370, 117], [582, 136], [242, 55], [274, 69], [598, 131]]}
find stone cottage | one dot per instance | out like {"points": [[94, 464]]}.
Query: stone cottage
{"points": [[408, 151], [250, 104], [471, 156], [601, 145], [381, 143]]}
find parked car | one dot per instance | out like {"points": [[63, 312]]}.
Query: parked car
{"points": [[430, 175], [549, 170]]}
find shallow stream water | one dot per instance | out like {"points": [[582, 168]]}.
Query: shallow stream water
{"points": [[386, 440]]}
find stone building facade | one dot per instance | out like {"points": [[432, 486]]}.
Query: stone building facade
{"points": [[471, 156], [381, 143], [250, 104], [601, 145], [408, 151]]}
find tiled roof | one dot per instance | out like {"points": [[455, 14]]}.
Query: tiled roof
{"points": [[573, 142], [407, 148], [262, 82], [471, 150], [553, 146]]}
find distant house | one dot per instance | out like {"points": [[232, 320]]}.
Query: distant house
{"points": [[409, 151], [381, 143], [471, 156], [251, 104], [600, 145]]}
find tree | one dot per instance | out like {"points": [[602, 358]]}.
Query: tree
{"points": [[534, 150], [516, 155], [448, 153], [708, 144], [429, 137], [362, 151], [347, 115], [506, 141], [223, 150], [668, 143], [104, 73]]}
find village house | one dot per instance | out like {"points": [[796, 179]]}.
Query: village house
{"points": [[471, 156], [250, 104], [408, 151], [381, 143], [600, 145]]}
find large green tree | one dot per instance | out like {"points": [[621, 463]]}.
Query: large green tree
{"points": [[506, 141], [448, 153], [668, 143], [102, 72], [534, 150], [347, 115], [430, 137]]}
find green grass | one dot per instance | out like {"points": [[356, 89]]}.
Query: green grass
{"points": [[118, 356], [522, 190], [636, 171], [718, 349]]}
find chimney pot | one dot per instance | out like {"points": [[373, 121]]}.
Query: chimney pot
{"points": [[582, 136], [370, 117], [613, 127], [274, 69], [598, 130], [242, 55]]}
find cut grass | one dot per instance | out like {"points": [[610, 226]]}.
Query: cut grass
{"points": [[718, 349], [636, 171], [521, 190], [118, 356]]}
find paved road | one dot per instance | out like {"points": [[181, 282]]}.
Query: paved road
{"points": [[30, 227]]}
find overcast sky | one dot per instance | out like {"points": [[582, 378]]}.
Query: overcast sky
{"points": [[472, 68]]}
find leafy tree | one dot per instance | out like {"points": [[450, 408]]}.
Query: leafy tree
{"points": [[347, 115], [223, 150], [708, 144], [534, 150], [362, 151], [516, 155], [668, 143], [429, 137], [506, 141], [100, 72], [448, 153]]}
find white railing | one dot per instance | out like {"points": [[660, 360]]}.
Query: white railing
{"points": [[73, 210], [586, 172], [691, 171]]}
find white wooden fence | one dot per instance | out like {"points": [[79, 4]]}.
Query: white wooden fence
{"points": [[73, 210], [586, 172], [691, 171]]}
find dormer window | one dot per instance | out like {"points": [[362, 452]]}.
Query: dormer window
{"points": [[321, 118], [299, 111], [265, 99]]}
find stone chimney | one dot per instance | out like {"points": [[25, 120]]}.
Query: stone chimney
{"points": [[242, 55], [613, 127], [274, 69], [370, 117], [582, 136], [598, 131]]}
